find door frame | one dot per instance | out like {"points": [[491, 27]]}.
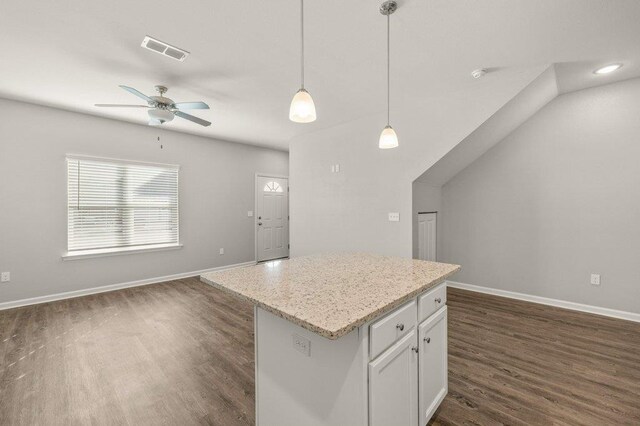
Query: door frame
{"points": [[255, 211]]}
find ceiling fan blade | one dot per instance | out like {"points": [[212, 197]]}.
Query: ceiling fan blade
{"points": [[189, 117], [122, 105], [190, 105], [137, 93]]}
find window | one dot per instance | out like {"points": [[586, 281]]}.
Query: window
{"points": [[272, 187], [118, 206]]}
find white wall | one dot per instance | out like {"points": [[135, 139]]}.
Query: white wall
{"points": [[216, 191], [556, 200], [426, 198], [348, 211]]}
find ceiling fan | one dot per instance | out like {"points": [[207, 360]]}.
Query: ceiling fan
{"points": [[163, 109]]}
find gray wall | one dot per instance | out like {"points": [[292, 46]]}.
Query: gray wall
{"points": [[347, 211], [216, 191], [426, 198], [556, 200]]}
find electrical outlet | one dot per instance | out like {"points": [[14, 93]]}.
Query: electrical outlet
{"points": [[302, 344], [5, 277], [394, 217], [595, 279], [250, 213], [221, 251]]}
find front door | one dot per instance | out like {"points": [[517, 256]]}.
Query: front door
{"points": [[272, 218]]}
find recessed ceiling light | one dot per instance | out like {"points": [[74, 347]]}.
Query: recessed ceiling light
{"points": [[479, 72], [607, 69]]}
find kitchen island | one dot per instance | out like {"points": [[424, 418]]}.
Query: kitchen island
{"points": [[346, 339]]}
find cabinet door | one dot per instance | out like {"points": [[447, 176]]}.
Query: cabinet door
{"points": [[432, 365], [393, 384]]}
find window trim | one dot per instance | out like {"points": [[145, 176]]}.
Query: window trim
{"points": [[88, 254], [115, 251]]}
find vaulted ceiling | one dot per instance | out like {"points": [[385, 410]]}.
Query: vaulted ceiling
{"points": [[244, 57]]}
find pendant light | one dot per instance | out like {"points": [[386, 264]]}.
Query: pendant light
{"points": [[302, 109], [388, 137]]}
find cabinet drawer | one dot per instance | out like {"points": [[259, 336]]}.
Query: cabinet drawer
{"points": [[431, 301], [386, 331]]}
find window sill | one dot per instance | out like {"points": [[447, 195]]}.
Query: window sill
{"points": [[88, 254]]}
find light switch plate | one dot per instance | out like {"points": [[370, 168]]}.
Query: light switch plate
{"points": [[250, 213], [5, 277], [337, 168], [221, 251], [302, 344], [394, 217], [595, 279]]}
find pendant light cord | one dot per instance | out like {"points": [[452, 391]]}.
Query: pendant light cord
{"points": [[388, 65], [302, 42]]}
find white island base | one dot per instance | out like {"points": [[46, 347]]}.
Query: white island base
{"points": [[389, 371]]}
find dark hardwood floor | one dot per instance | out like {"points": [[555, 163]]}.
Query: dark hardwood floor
{"points": [[519, 363], [181, 353]]}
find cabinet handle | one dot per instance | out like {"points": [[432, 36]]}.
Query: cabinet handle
{"points": [[438, 300], [427, 339], [415, 349], [400, 326]]}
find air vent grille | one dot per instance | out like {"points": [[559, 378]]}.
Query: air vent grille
{"points": [[164, 49]]}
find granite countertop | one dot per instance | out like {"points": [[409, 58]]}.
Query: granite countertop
{"points": [[331, 294]]}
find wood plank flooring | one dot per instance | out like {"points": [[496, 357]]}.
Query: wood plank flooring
{"points": [[519, 363], [181, 353]]}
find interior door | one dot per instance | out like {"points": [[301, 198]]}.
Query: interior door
{"points": [[393, 385], [272, 218], [432, 364], [427, 236]]}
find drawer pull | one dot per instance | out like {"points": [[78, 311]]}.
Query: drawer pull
{"points": [[427, 339], [415, 349], [400, 326], [438, 300]]}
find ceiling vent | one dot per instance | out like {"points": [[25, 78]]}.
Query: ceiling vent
{"points": [[164, 49]]}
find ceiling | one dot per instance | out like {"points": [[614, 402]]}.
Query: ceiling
{"points": [[244, 58]]}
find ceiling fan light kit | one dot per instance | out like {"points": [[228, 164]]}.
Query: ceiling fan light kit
{"points": [[162, 109]]}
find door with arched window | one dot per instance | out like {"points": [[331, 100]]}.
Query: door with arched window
{"points": [[272, 218]]}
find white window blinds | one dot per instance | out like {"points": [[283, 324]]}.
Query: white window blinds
{"points": [[121, 205]]}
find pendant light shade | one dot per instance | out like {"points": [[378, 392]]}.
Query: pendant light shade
{"points": [[388, 138], [302, 108]]}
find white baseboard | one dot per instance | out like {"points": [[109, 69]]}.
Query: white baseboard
{"points": [[112, 287], [629, 316]]}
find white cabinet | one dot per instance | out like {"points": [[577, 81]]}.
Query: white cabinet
{"points": [[408, 373], [393, 384], [390, 372], [432, 364], [391, 328]]}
